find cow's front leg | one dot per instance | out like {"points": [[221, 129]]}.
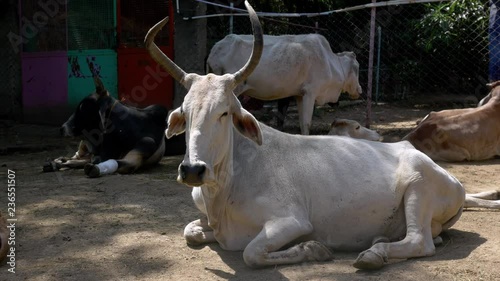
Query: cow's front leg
{"points": [[81, 157], [263, 250], [487, 199], [198, 232], [104, 168], [418, 241], [79, 160], [146, 152], [283, 105], [71, 163], [64, 163]]}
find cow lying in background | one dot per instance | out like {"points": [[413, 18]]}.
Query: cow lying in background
{"points": [[301, 66], [461, 134], [263, 192], [116, 137], [351, 128]]}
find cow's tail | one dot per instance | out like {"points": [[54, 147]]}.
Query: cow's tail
{"points": [[486, 200]]}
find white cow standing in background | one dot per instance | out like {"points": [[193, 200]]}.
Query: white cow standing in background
{"points": [[301, 66], [260, 189]]}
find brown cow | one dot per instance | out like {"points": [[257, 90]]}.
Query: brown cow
{"points": [[461, 134]]}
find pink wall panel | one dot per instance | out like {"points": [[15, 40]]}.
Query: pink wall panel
{"points": [[44, 78]]}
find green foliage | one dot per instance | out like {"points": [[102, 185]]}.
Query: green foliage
{"points": [[453, 36], [451, 23]]}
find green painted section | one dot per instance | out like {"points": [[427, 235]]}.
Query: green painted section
{"points": [[80, 81], [91, 26]]}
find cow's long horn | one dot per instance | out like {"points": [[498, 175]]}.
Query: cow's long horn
{"points": [[99, 86], [155, 52], [258, 45]]}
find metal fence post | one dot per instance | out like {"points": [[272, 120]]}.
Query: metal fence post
{"points": [[231, 18], [370, 66], [379, 48]]}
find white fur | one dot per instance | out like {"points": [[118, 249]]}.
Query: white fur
{"points": [[107, 167]]}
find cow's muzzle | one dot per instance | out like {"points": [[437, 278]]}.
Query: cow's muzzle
{"points": [[66, 131], [356, 94], [192, 174]]}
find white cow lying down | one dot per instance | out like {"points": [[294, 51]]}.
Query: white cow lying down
{"points": [[260, 189]]}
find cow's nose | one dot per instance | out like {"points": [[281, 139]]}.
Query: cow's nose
{"points": [[66, 131], [192, 174]]}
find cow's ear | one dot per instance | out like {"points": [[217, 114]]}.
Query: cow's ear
{"points": [[247, 125], [176, 123]]}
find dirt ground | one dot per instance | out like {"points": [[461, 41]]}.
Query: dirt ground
{"points": [[129, 227]]}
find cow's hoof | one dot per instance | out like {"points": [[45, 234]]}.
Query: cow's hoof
{"points": [[316, 251], [61, 160], [91, 170], [369, 260], [437, 241], [49, 166]]}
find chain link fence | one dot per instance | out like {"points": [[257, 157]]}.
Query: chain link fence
{"points": [[10, 72], [420, 49]]}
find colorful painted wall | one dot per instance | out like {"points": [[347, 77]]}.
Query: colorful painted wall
{"points": [[62, 38]]}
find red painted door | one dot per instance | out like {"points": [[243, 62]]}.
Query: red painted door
{"points": [[141, 82]]}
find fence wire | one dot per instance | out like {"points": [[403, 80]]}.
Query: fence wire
{"points": [[425, 49], [10, 72]]}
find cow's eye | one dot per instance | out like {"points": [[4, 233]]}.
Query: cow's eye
{"points": [[357, 128], [223, 114]]}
